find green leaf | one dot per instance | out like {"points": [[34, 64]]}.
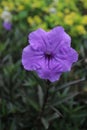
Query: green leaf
{"points": [[70, 83], [33, 104], [40, 95], [70, 96], [56, 110], [1, 125], [4, 109], [45, 123], [23, 14], [13, 126], [53, 116]]}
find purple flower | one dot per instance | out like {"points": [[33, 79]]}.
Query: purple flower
{"points": [[49, 53], [7, 25]]}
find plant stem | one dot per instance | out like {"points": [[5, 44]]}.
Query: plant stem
{"points": [[45, 98], [43, 106]]}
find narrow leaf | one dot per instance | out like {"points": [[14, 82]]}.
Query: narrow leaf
{"points": [[45, 123], [71, 83], [70, 96], [40, 95], [53, 116], [13, 127], [56, 110]]}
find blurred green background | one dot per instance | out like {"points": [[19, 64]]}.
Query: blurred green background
{"points": [[19, 98]]}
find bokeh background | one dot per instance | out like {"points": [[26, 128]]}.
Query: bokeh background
{"points": [[19, 98]]}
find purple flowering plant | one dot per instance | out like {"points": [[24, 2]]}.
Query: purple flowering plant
{"points": [[7, 25], [49, 54]]}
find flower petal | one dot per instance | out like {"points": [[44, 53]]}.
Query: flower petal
{"points": [[66, 57], [49, 74], [37, 39], [54, 77], [31, 59], [57, 36]]}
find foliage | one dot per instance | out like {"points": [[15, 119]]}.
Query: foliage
{"points": [[22, 93]]}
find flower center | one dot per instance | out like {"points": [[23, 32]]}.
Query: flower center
{"points": [[48, 55]]}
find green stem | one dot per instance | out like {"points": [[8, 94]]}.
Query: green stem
{"points": [[43, 106]]}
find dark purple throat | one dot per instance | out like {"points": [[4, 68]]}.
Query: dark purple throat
{"points": [[48, 56]]}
